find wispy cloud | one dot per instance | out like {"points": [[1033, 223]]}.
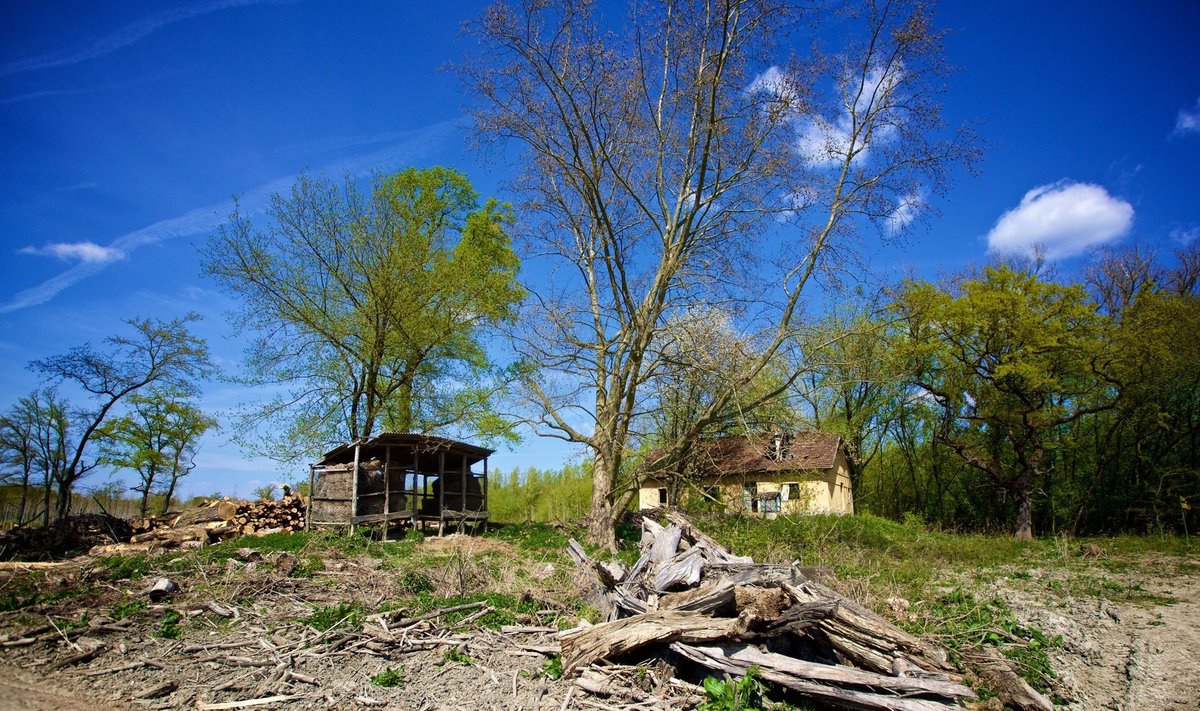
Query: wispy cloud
{"points": [[908, 207], [123, 37], [408, 148], [84, 252], [150, 78], [1063, 219], [1185, 235], [1188, 121]]}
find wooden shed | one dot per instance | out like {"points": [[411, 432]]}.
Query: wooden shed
{"points": [[400, 478]]}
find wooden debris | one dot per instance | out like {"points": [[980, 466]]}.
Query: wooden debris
{"points": [[690, 602]]}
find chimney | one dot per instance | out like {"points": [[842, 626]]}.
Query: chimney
{"points": [[778, 446]]}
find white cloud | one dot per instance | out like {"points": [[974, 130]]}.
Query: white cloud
{"points": [[907, 209], [825, 142], [775, 82], [83, 252], [1064, 219], [1188, 121]]}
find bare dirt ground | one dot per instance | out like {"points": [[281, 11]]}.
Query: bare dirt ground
{"points": [[1131, 639], [1130, 634]]}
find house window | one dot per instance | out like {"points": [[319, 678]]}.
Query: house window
{"points": [[790, 491], [712, 493], [662, 497], [750, 497], [769, 502]]}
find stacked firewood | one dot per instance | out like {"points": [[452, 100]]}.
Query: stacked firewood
{"points": [[271, 515], [214, 521], [692, 604]]}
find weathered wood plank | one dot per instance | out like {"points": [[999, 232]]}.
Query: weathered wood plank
{"points": [[609, 640], [716, 660]]}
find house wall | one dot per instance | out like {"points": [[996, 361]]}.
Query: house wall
{"points": [[821, 491]]}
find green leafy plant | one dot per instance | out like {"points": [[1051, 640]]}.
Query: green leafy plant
{"points": [[552, 668], [744, 694], [126, 609], [455, 655], [170, 629], [390, 678]]}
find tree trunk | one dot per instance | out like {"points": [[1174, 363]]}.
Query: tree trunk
{"points": [[166, 506], [1024, 528], [602, 529]]}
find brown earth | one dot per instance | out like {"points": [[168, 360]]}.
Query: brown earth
{"points": [[1131, 640]]}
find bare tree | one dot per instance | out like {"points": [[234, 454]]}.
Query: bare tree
{"points": [[159, 352], [673, 164]]}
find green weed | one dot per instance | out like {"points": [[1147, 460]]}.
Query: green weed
{"points": [[390, 678], [743, 694], [170, 629], [454, 655], [126, 609]]}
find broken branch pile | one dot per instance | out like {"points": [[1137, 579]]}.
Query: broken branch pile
{"points": [[65, 536], [691, 603]]}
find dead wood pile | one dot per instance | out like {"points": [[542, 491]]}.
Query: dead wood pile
{"points": [[692, 604], [215, 521], [64, 537]]}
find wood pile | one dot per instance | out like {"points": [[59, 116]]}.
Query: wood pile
{"points": [[215, 521], [693, 605]]}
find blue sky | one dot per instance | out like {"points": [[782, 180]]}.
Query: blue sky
{"points": [[125, 128]]}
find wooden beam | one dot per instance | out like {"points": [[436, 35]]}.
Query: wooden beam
{"points": [[354, 485]]}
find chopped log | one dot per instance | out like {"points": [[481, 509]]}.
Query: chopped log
{"points": [[695, 535], [584, 645], [864, 637], [683, 569]]}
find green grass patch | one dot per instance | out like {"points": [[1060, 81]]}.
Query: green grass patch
{"points": [[124, 567], [506, 612], [529, 536], [959, 621]]}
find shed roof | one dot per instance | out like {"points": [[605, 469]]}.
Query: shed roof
{"points": [[416, 442], [747, 454]]}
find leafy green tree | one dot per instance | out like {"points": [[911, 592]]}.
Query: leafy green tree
{"points": [[369, 307], [157, 438], [1011, 358], [161, 353]]}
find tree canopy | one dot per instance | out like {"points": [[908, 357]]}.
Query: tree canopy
{"points": [[368, 308]]}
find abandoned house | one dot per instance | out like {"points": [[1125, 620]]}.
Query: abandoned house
{"points": [[397, 479], [807, 472]]}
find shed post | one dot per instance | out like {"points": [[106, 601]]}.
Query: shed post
{"points": [[416, 503], [387, 494], [354, 486], [308, 505], [441, 490]]}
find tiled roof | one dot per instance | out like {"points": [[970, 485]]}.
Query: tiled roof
{"points": [[745, 454]]}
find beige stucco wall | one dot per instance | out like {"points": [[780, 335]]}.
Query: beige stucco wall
{"points": [[821, 491]]}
